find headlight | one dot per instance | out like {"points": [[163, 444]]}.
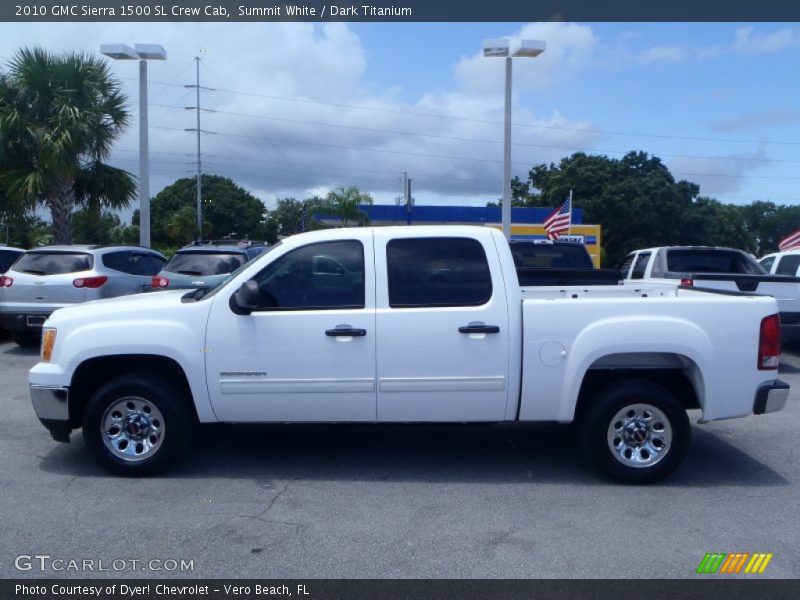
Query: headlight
{"points": [[48, 341]]}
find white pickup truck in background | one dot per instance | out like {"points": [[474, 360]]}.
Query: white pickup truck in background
{"points": [[407, 324], [724, 269]]}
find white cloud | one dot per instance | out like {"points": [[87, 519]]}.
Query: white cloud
{"points": [[662, 54], [570, 48], [721, 175], [276, 147], [754, 120], [749, 42]]}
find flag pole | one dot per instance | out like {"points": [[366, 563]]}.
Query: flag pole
{"points": [[569, 227]]}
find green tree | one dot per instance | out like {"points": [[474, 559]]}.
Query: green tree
{"points": [[287, 216], [345, 202], [88, 228], [228, 211], [639, 203], [59, 117]]}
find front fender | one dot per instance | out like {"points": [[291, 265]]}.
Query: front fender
{"points": [[182, 342]]}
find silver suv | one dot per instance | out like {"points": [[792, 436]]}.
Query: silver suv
{"points": [[45, 279]]}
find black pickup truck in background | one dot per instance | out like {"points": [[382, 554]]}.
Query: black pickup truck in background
{"points": [[545, 262]]}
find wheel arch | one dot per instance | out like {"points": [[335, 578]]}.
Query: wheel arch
{"points": [[673, 371], [92, 373]]}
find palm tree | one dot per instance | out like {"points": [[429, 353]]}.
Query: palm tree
{"points": [[344, 202], [59, 117]]}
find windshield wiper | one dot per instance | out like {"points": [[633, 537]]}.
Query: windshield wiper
{"points": [[190, 272], [33, 272]]}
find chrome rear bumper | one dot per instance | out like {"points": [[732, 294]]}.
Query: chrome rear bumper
{"points": [[771, 397]]}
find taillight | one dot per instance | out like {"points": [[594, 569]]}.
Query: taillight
{"points": [[6, 281], [769, 343], [159, 282], [90, 282], [687, 281]]}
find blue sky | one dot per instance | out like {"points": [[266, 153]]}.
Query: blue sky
{"points": [[310, 107]]}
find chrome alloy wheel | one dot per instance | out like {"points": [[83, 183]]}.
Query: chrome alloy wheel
{"points": [[132, 428], [639, 435]]}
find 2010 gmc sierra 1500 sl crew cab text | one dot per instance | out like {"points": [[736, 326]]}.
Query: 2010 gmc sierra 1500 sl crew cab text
{"points": [[409, 324]]}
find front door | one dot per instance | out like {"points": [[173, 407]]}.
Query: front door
{"points": [[309, 354], [443, 339]]}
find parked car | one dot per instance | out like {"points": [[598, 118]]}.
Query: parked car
{"points": [[46, 279], [204, 264], [8, 255], [718, 268], [423, 324], [551, 262]]}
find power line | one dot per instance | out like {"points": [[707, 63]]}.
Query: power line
{"points": [[492, 122], [485, 141]]}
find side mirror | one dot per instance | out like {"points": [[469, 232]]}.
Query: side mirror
{"points": [[246, 299]]}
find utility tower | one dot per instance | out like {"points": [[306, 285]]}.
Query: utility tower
{"points": [[198, 109]]}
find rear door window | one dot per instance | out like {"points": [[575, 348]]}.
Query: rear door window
{"points": [[787, 265], [425, 272], [54, 263], [205, 263]]}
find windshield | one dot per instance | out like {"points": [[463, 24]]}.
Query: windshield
{"points": [[207, 292], [53, 263], [204, 263]]}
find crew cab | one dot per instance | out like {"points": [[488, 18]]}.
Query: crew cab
{"points": [[715, 268], [414, 325]]}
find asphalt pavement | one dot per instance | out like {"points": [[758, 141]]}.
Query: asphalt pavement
{"points": [[393, 501]]}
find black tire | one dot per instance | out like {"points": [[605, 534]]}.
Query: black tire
{"points": [[149, 394], [26, 339], [606, 411]]}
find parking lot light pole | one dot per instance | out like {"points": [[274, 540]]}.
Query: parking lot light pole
{"points": [[503, 48], [142, 53]]}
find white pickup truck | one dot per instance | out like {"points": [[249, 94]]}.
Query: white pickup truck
{"points": [[406, 324], [718, 269]]}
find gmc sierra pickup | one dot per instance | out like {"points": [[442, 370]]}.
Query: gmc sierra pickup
{"points": [[406, 324]]}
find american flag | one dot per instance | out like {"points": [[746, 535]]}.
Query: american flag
{"points": [[560, 221], [790, 242]]}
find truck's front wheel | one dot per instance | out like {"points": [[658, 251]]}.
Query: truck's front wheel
{"points": [[137, 424], [636, 431]]}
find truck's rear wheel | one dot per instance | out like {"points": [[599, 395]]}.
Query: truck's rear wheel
{"points": [[137, 424], [636, 431]]}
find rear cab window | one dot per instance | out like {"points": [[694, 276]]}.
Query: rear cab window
{"points": [[530, 255], [712, 261], [432, 272], [767, 263], [53, 263], [205, 263]]}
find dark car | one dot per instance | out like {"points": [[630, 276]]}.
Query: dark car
{"points": [[204, 264]]}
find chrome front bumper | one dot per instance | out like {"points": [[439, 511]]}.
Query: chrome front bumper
{"points": [[52, 407], [771, 397]]}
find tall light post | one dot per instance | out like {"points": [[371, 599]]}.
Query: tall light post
{"points": [[142, 53], [503, 48]]}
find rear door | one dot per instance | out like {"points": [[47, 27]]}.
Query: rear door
{"points": [[443, 328], [46, 278]]}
